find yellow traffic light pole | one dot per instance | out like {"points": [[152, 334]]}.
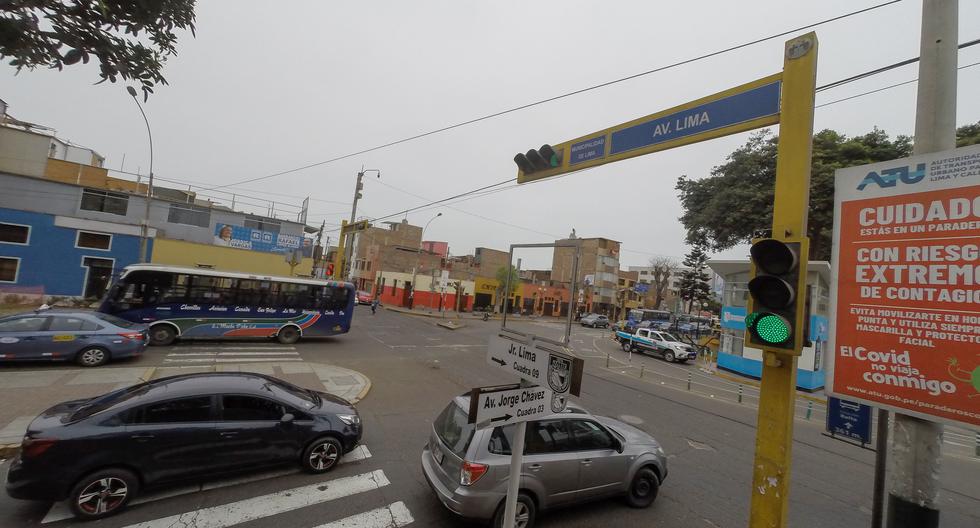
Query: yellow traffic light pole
{"points": [[777, 400]]}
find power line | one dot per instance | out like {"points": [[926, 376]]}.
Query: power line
{"points": [[889, 87], [561, 96]]}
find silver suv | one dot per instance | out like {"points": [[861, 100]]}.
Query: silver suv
{"points": [[568, 458]]}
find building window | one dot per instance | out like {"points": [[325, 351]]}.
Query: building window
{"points": [[8, 269], [189, 215], [262, 224], [104, 202], [15, 234], [89, 240]]}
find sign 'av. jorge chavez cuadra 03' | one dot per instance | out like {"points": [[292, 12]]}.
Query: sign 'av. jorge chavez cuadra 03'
{"points": [[906, 285], [496, 406]]}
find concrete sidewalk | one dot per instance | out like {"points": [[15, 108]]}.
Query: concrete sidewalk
{"points": [[26, 393], [464, 316]]}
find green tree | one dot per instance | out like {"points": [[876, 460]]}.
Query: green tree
{"points": [[515, 282], [968, 135], [130, 38], [735, 202], [694, 288]]}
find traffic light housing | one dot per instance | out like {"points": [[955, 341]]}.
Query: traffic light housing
{"points": [[776, 317], [543, 159]]}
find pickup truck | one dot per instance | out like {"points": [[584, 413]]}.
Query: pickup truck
{"points": [[658, 343]]}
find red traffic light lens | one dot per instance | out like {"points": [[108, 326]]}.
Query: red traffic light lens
{"points": [[774, 256]]}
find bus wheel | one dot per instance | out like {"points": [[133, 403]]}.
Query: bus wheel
{"points": [[288, 335], [162, 335]]}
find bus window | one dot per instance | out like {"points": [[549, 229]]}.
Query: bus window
{"points": [[333, 299], [205, 289], [175, 291]]}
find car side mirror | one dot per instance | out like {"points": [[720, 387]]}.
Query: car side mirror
{"points": [[287, 418], [618, 446]]}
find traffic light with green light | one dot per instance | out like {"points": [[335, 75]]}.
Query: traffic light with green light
{"points": [[543, 159], [776, 314]]}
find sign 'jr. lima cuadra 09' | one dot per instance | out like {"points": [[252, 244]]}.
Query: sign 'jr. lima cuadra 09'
{"points": [[906, 289]]}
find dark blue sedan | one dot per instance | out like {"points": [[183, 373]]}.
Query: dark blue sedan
{"points": [[87, 338], [99, 453]]}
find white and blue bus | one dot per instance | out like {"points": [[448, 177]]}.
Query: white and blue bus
{"points": [[179, 302], [639, 315]]}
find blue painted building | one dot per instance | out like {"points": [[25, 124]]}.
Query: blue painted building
{"points": [[734, 356], [61, 255]]}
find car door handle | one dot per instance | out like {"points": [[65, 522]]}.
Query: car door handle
{"points": [[534, 467], [586, 462], [229, 434], [142, 436]]}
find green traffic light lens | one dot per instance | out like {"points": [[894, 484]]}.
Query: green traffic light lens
{"points": [[554, 161], [771, 328]]}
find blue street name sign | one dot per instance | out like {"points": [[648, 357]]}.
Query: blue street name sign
{"points": [[724, 112], [849, 419], [641, 287]]}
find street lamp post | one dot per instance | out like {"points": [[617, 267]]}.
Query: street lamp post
{"points": [[418, 259], [145, 231]]}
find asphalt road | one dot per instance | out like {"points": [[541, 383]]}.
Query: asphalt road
{"points": [[416, 367]]}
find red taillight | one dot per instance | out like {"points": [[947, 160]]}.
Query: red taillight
{"points": [[471, 472], [32, 447], [132, 335]]}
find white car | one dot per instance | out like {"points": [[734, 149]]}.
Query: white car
{"points": [[659, 343]]}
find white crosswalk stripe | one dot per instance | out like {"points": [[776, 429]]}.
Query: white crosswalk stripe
{"points": [[272, 504], [60, 510], [240, 355], [391, 516]]}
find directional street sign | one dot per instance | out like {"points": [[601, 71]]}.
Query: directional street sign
{"points": [[849, 419], [537, 362], [496, 406]]}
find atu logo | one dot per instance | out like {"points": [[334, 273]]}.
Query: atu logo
{"points": [[891, 177]]}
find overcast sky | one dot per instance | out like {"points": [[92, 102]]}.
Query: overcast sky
{"points": [[263, 90]]}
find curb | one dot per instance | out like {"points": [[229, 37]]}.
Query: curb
{"points": [[9, 450], [451, 325], [367, 387], [745, 381]]}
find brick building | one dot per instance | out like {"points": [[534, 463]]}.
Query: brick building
{"points": [[598, 274]]}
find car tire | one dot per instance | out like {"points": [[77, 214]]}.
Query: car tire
{"points": [[322, 455], [162, 335], [526, 512], [627, 346], [92, 357], [288, 335], [102, 493], [669, 356], [643, 490]]}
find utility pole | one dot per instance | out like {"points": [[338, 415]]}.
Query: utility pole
{"points": [[916, 448], [349, 252]]}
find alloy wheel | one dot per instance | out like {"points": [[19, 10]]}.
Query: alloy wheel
{"points": [[323, 456], [93, 357], [103, 495], [521, 515]]}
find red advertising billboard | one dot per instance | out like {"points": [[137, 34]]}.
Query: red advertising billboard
{"points": [[905, 316]]}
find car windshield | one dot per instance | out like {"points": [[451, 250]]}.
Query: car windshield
{"points": [[453, 429], [112, 319], [668, 337]]}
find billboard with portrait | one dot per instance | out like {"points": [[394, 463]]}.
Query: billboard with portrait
{"points": [[256, 240]]}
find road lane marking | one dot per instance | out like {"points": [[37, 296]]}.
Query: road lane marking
{"points": [[272, 504], [60, 511], [232, 360], [391, 516], [224, 347], [214, 354]]}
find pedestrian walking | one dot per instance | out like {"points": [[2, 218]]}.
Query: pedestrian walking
{"points": [[374, 305]]}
